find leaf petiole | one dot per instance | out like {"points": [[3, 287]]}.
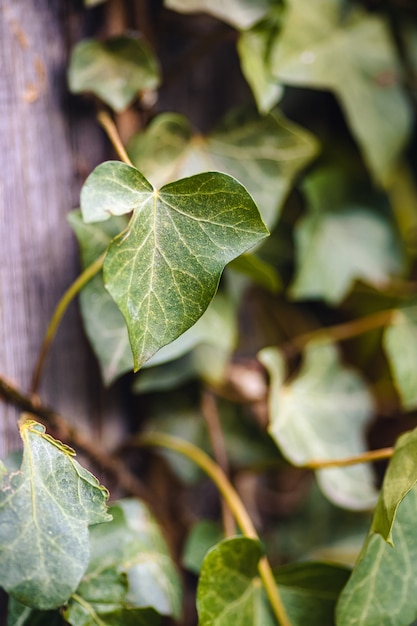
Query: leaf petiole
{"points": [[233, 500]]}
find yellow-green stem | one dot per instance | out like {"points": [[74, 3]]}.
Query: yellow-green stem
{"points": [[88, 608], [365, 457], [233, 500], [58, 314], [113, 134]]}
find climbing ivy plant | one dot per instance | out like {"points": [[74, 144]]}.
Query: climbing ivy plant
{"points": [[256, 285]]}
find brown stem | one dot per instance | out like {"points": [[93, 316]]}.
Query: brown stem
{"points": [[211, 415], [108, 463]]}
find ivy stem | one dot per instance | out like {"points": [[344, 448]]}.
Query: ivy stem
{"points": [[88, 608], [365, 457], [232, 498], [58, 314], [112, 133]]}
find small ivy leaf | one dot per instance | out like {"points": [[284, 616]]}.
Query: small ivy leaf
{"points": [[265, 153], [399, 479], [342, 239], [400, 344], [238, 13], [115, 71], [356, 59], [322, 414], [164, 269], [45, 511], [382, 590], [229, 588], [131, 573]]}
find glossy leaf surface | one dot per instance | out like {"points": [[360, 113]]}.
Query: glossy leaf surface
{"points": [[400, 343], [45, 511], [353, 55], [322, 414], [382, 590], [264, 153], [116, 71], [164, 269]]}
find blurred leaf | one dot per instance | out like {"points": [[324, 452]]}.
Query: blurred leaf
{"points": [[354, 57], [400, 344], [166, 376], [264, 153], [382, 590], [254, 47], [399, 479], [259, 271], [93, 3], [322, 414], [229, 590], [21, 615], [238, 13], [45, 511], [340, 240], [203, 536], [164, 269], [310, 591], [116, 71], [130, 569]]}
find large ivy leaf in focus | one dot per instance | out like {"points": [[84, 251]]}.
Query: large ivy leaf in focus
{"points": [[343, 237], [382, 590], [400, 344], [45, 511], [238, 13], [264, 153], [322, 414], [130, 569], [354, 56], [164, 269], [115, 70], [399, 479], [229, 589], [254, 47]]}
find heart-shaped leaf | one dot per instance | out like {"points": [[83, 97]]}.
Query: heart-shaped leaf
{"points": [[164, 269], [322, 414], [116, 71], [355, 57], [382, 590], [45, 511], [265, 153]]}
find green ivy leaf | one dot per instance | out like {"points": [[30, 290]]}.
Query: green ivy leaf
{"points": [[164, 269], [229, 589], [264, 153], [322, 414], [342, 239], [204, 535], [116, 71], [254, 47], [399, 479], [400, 344], [130, 570], [261, 272], [382, 590], [238, 13], [356, 59], [45, 511]]}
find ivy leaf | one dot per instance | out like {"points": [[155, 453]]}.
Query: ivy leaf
{"points": [[20, 615], [399, 479], [382, 590], [130, 571], [341, 239], [264, 153], [238, 13], [254, 47], [355, 58], [164, 269], [116, 71], [400, 344], [229, 589], [45, 511], [322, 414]]}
